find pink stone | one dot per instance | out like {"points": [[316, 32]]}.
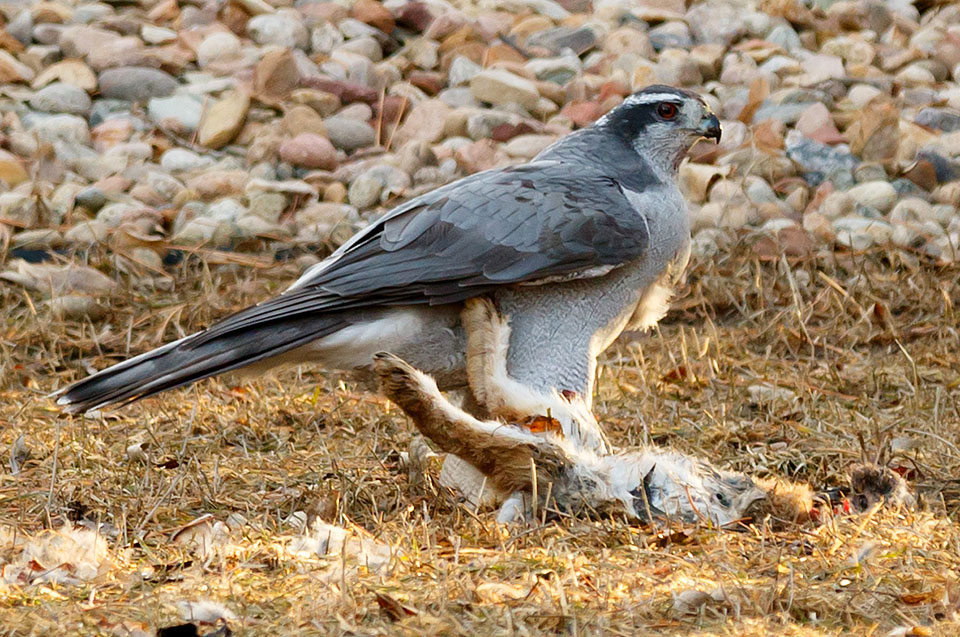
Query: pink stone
{"points": [[310, 151], [817, 124], [582, 113]]}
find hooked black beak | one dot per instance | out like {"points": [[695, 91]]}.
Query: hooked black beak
{"points": [[710, 127]]}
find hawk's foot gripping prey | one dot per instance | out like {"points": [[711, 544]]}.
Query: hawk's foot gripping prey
{"points": [[567, 418], [644, 485]]}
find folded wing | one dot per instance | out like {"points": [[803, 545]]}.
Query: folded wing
{"points": [[530, 223]]}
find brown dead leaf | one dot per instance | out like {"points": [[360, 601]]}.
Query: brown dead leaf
{"points": [[543, 424], [191, 529], [667, 537], [675, 375], [393, 607], [914, 599]]}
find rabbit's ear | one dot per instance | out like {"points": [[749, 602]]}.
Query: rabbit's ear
{"points": [[506, 454], [644, 499]]}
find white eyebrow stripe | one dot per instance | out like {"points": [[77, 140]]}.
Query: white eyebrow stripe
{"points": [[655, 97]]}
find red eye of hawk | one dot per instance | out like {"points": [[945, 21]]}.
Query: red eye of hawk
{"points": [[667, 110]]}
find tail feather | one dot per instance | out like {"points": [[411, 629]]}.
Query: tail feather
{"points": [[191, 359]]}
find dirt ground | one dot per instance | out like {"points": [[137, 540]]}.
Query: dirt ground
{"points": [[863, 348]]}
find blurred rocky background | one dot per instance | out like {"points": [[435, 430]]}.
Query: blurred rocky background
{"points": [[155, 127]]}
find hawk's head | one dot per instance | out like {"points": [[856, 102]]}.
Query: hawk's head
{"points": [[661, 123]]}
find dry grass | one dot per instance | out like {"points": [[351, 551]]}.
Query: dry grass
{"points": [[866, 345]]}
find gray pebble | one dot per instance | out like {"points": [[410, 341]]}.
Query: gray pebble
{"points": [[579, 39], [715, 23], [786, 113], [92, 198], [784, 36], [349, 134], [136, 83], [107, 109], [462, 70], [820, 162], [61, 98], [226, 210], [458, 96], [671, 35], [21, 27], [942, 119]]}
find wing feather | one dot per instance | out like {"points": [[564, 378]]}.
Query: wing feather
{"points": [[517, 225]]}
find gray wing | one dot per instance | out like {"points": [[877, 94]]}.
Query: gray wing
{"points": [[523, 224]]}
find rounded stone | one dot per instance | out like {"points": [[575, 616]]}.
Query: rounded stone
{"points": [[906, 236], [251, 226], [184, 110], [183, 160], [859, 233], [61, 98], [335, 192], [39, 239], [226, 209], [309, 150], [218, 47], [202, 230], [136, 83], [349, 134], [117, 213], [61, 127], [19, 208], [364, 191], [819, 226], [875, 194], [92, 231], [92, 198], [911, 210], [283, 28], [76, 306], [497, 86]]}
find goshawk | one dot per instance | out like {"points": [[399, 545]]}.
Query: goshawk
{"points": [[579, 244]]}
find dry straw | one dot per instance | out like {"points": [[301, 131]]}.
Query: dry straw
{"points": [[771, 366]]}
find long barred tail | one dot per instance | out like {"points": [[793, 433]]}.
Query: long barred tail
{"points": [[193, 358]]}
